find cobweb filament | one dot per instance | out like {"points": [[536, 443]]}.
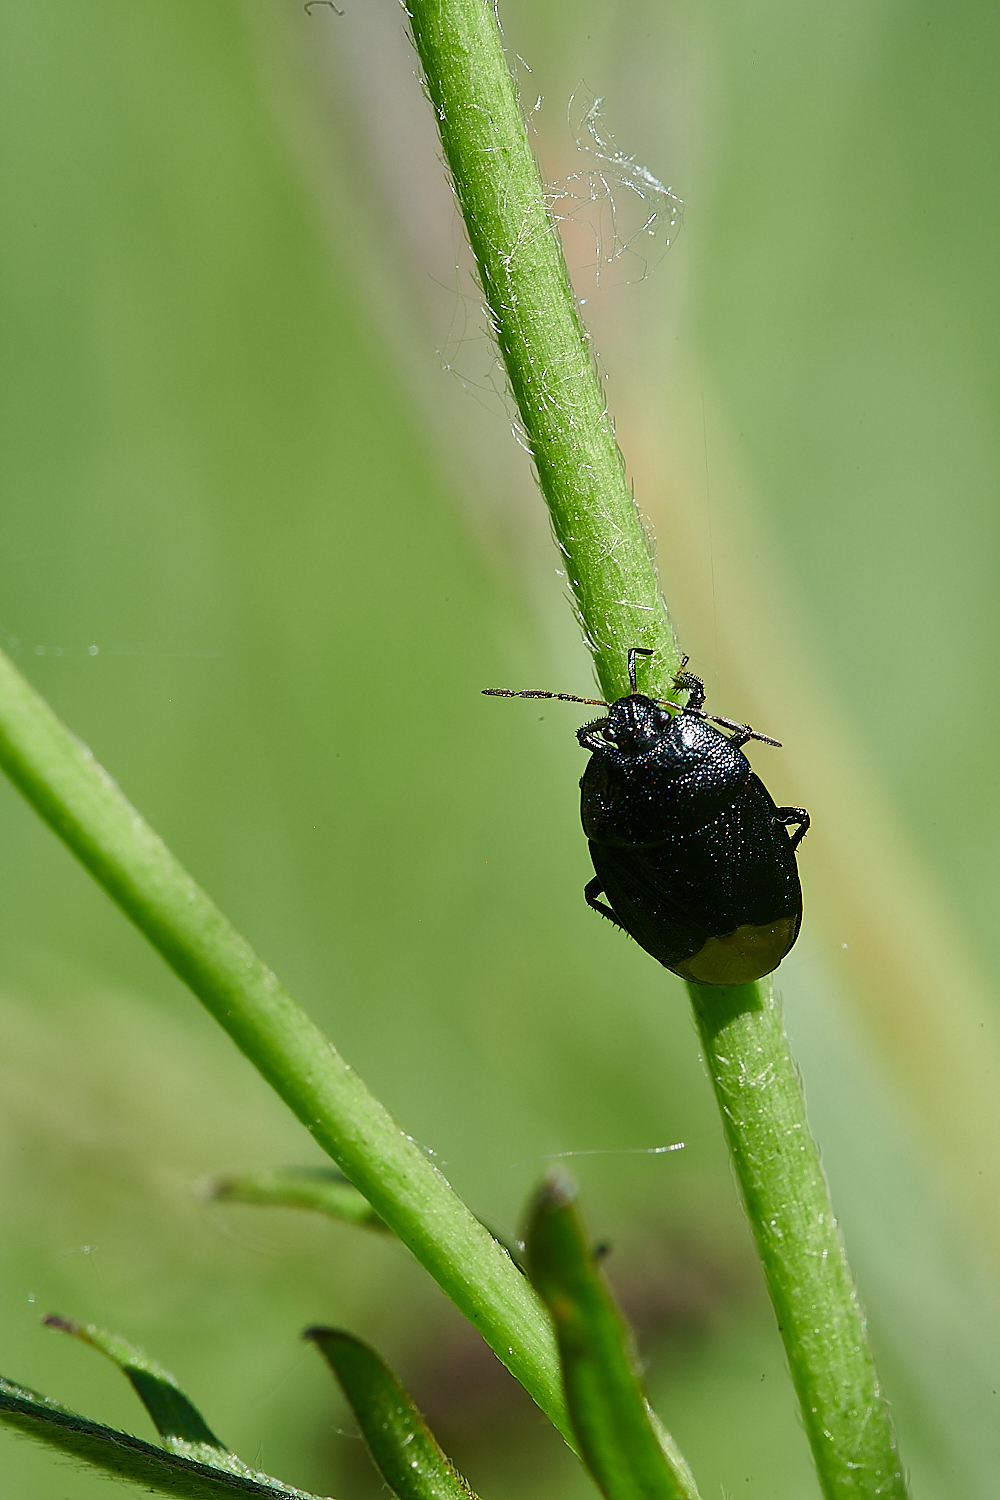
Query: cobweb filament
{"points": [[617, 199]]}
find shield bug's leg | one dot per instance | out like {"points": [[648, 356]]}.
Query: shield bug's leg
{"points": [[695, 689], [591, 891], [585, 734], [635, 651], [786, 815]]}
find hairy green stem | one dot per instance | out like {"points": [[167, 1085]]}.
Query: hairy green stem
{"points": [[78, 799], [581, 475], [544, 345], [788, 1204]]}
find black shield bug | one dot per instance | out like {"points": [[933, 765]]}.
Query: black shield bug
{"points": [[690, 851]]}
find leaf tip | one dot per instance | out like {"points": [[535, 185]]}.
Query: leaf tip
{"points": [[211, 1189], [318, 1334], [557, 1191], [65, 1325]]}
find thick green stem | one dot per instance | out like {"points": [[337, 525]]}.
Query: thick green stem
{"points": [[544, 345], [581, 474], [788, 1204], [79, 800]]}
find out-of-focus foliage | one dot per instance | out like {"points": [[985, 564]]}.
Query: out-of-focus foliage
{"points": [[232, 463]]}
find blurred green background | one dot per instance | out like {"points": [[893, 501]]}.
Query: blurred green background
{"points": [[235, 464]]}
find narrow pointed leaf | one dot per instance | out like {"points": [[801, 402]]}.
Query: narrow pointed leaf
{"points": [[402, 1446], [121, 1456], [175, 1418], [322, 1189], [622, 1443]]}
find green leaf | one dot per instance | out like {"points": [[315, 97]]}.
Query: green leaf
{"points": [[404, 1450], [178, 1422], [321, 1188], [125, 1457], [620, 1439]]}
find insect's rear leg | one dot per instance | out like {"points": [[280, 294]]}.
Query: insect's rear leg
{"points": [[786, 815], [591, 891]]}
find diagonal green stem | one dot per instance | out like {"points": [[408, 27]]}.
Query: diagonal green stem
{"points": [[78, 799], [580, 471], [788, 1204]]}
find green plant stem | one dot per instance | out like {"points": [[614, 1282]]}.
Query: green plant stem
{"points": [[544, 345], [788, 1204], [78, 799], [581, 474]]}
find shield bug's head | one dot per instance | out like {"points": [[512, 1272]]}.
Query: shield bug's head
{"points": [[635, 724]]}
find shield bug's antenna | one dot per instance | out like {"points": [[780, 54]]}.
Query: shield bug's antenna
{"points": [[633, 652], [530, 693], [743, 732]]}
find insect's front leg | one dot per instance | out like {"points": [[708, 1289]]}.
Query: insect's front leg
{"points": [[787, 815], [694, 687], [585, 734]]}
